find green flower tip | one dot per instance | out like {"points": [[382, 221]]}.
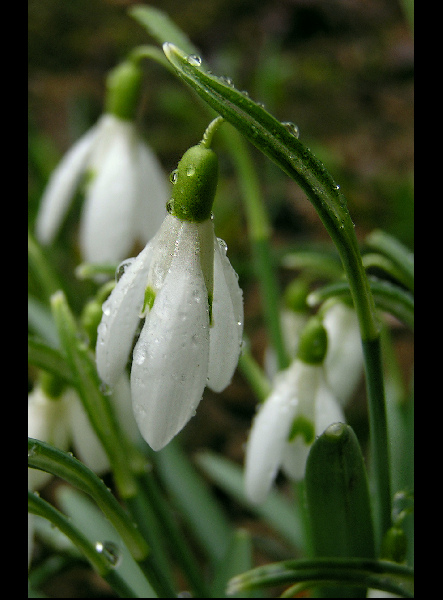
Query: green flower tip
{"points": [[303, 427], [123, 90], [195, 183], [295, 296], [313, 343]]}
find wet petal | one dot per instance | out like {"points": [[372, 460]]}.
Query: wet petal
{"points": [[227, 316], [121, 316], [170, 360]]}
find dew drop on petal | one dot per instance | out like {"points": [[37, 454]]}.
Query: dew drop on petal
{"points": [[120, 271]]}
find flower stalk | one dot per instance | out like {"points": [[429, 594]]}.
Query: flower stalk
{"points": [[285, 149]]}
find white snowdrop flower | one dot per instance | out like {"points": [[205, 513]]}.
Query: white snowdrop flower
{"points": [[344, 361], [184, 287], [126, 190], [300, 407], [62, 422]]}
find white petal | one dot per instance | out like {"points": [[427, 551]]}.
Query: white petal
{"points": [[170, 362], [153, 192], [327, 409], [317, 404], [294, 459], [62, 185], [269, 434], [227, 316], [344, 358], [107, 232], [305, 384], [121, 315], [87, 446]]}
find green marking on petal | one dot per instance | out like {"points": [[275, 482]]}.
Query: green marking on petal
{"points": [[304, 427], [149, 299]]}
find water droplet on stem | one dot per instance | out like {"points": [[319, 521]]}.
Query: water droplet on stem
{"points": [[111, 551]]}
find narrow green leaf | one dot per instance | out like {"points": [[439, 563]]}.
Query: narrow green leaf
{"points": [[45, 457], [282, 516], [47, 358], [378, 574], [192, 496], [158, 24], [237, 559], [96, 528], [388, 297], [87, 382], [395, 251], [99, 560], [338, 498]]}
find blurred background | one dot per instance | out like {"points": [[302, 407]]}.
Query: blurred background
{"points": [[341, 70]]}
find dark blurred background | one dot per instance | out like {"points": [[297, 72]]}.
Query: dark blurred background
{"points": [[341, 70]]}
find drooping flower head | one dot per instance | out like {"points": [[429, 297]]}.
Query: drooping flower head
{"points": [[184, 293], [126, 190], [299, 408]]}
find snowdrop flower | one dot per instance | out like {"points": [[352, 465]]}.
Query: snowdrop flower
{"points": [[300, 407], [126, 191], [184, 287], [62, 422]]}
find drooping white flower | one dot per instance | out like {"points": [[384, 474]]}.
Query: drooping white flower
{"points": [[300, 407], [184, 287], [126, 190]]}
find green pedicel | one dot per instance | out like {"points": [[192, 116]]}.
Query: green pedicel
{"points": [[195, 183]]}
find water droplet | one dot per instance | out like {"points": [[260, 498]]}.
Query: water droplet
{"points": [[223, 245], [194, 60], [105, 389], [118, 275], [227, 81], [170, 206], [32, 451], [173, 176], [190, 171], [111, 551], [292, 128]]}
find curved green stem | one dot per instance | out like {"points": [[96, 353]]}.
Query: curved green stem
{"points": [[284, 149], [99, 561], [47, 458]]}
